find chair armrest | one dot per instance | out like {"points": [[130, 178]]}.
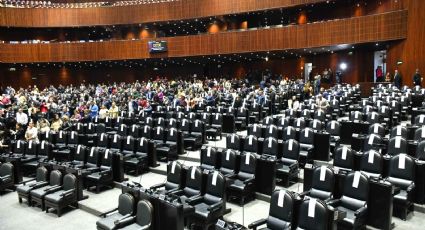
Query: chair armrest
{"points": [[123, 219], [194, 200], [104, 173], [175, 192], [254, 225], [108, 212], [294, 165], [51, 188], [411, 187], [215, 206], [230, 176], [68, 192], [249, 181], [157, 186], [361, 212], [25, 182], [54, 189], [334, 202], [305, 193], [39, 185], [5, 177]]}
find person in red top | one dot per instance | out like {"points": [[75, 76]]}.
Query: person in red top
{"points": [[43, 107]]}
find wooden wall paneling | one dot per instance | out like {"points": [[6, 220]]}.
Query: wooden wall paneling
{"points": [[343, 31]]}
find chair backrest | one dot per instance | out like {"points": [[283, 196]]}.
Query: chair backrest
{"points": [[129, 143], [344, 157], [371, 142], [31, 148], [6, 169], [185, 125], [100, 128], [399, 131], [323, 183], [255, 130], [158, 133], [172, 135], [299, 123], [134, 131], [267, 121], [146, 131], [307, 136], [377, 129], [215, 190], [333, 128], [19, 147], [283, 122], [144, 216], [193, 181], [291, 149], [73, 137], [228, 162], [126, 204], [209, 156], [313, 215], [270, 146], [320, 115], [106, 159], [397, 145], [420, 151], [233, 142], [420, 134], [103, 140], [373, 117], [174, 175], [402, 167], [316, 125], [281, 210], [123, 130], [371, 162], [248, 166], [41, 174], [69, 182], [250, 144], [116, 141], [93, 155], [55, 177], [217, 119], [271, 131], [289, 132], [356, 190], [356, 116], [142, 145], [420, 119], [61, 137]]}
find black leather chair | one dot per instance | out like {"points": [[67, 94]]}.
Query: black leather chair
{"points": [[399, 131], [288, 168], [420, 151], [122, 130], [134, 131], [271, 131], [397, 145], [228, 163], [299, 123], [102, 141], [313, 219], [377, 129], [371, 164], [402, 175], [255, 130], [79, 156], [209, 158], [288, 133], [323, 183], [128, 147], [242, 184], [270, 147], [174, 178], [233, 142], [250, 144], [316, 125], [353, 201], [142, 220], [372, 141], [146, 131], [281, 212], [37, 195], [64, 196], [115, 143], [7, 176], [112, 220], [197, 134], [41, 179], [139, 161], [334, 130], [420, 134], [169, 150], [212, 205], [344, 158], [306, 146], [284, 122], [214, 130], [192, 189], [103, 176]]}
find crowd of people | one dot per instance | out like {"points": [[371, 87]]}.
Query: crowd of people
{"points": [[25, 112]]}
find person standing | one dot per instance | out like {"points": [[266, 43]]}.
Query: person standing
{"points": [[397, 79], [21, 117], [417, 78], [379, 74]]}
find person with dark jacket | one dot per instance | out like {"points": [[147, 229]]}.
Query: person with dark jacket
{"points": [[417, 78], [397, 79]]}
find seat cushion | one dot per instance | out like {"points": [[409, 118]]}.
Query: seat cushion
{"points": [[134, 226], [237, 185], [350, 219], [201, 209], [54, 197], [401, 196], [94, 176], [108, 222], [283, 168]]}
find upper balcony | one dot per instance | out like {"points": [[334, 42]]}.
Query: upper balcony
{"points": [[365, 29]]}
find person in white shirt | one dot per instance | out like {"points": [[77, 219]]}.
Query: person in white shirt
{"points": [[21, 117], [32, 132]]}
